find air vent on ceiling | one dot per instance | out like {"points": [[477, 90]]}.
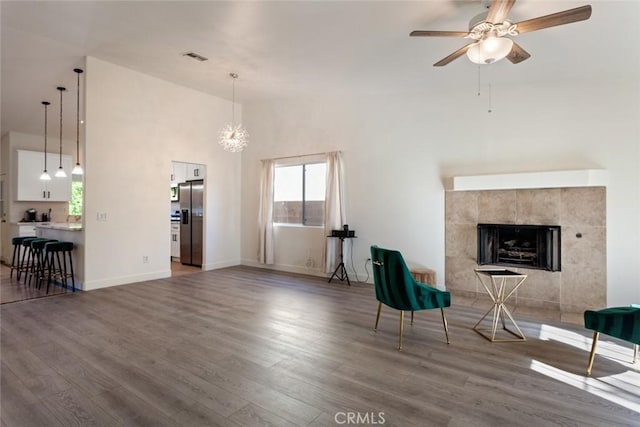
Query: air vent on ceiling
{"points": [[195, 56]]}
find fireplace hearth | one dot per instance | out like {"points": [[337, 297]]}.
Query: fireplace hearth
{"points": [[527, 246]]}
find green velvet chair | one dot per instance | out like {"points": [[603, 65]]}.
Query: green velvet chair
{"points": [[618, 322], [396, 288]]}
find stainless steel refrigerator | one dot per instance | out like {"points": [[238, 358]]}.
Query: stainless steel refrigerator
{"points": [[191, 222]]}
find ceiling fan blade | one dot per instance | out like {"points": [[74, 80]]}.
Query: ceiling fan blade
{"points": [[517, 54], [455, 55], [426, 33], [499, 10], [565, 17]]}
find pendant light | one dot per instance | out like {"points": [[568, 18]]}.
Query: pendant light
{"points": [[60, 173], [45, 175], [233, 138], [77, 169]]}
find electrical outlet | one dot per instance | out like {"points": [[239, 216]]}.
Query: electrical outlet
{"points": [[101, 216], [145, 259]]}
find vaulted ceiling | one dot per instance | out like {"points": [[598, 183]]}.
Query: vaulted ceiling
{"points": [[291, 49]]}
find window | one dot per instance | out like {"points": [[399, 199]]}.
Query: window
{"points": [[75, 204], [298, 194]]}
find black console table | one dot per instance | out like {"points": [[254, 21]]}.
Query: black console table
{"points": [[341, 271]]}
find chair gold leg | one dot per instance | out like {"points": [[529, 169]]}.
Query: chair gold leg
{"points": [[375, 328], [401, 329], [635, 352], [446, 327], [411, 317], [593, 352]]}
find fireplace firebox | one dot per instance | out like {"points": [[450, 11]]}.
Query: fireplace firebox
{"points": [[527, 246]]}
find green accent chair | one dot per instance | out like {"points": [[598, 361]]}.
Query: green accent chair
{"points": [[618, 322], [396, 287]]}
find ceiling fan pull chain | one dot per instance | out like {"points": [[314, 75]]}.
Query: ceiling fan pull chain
{"points": [[479, 85], [489, 98]]}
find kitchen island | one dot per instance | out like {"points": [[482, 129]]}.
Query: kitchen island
{"points": [[67, 232]]}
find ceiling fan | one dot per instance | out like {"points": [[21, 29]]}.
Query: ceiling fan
{"points": [[488, 31]]}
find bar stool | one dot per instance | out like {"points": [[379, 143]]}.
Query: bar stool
{"points": [[17, 254], [38, 263], [63, 270], [24, 263]]}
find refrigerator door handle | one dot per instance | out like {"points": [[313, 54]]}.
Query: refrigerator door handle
{"points": [[185, 216]]}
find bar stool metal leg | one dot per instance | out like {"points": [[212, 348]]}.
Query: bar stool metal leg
{"points": [[15, 258], [25, 259], [60, 263]]}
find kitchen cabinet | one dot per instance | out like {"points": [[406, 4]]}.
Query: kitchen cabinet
{"points": [[182, 172], [195, 171], [178, 173], [26, 231], [31, 188], [175, 241]]}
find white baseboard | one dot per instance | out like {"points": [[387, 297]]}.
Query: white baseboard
{"points": [[286, 268], [124, 280], [220, 264], [304, 270]]}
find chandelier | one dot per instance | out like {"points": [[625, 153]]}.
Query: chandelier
{"points": [[233, 137]]}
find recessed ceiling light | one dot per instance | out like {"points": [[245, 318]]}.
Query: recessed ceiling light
{"points": [[195, 56]]}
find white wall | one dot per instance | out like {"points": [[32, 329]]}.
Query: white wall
{"points": [[136, 125], [400, 148]]}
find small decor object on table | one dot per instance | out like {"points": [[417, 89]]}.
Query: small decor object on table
{"points": [[502, 285]]}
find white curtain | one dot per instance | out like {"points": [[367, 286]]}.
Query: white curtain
{"points": [[334, 209], [265, 214]]}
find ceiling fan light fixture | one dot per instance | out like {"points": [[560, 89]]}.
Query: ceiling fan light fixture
{"points": [[489, 50]]}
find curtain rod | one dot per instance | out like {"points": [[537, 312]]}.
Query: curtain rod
{"points": [[300, 155]]}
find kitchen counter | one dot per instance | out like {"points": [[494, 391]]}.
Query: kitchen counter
{"points": [[66, 232], [66, 226]]}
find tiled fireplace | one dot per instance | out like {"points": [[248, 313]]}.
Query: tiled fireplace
{"points": [[581, 214]]}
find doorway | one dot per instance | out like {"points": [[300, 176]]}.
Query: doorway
{"points": [[187, 214]]}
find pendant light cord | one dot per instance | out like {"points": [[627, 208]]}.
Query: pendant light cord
{"points": [[46, 104], [77, 170], [78, 119], [60, 126], [61, 89], [233, 104]]}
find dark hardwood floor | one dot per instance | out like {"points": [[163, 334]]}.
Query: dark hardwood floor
{"points": [[12, 290], [244, 346], [178, 269]]}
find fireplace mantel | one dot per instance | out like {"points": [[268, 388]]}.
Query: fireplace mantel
{"points": [[525, 180]]}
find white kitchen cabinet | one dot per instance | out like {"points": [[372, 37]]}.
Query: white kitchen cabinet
{"points": [[195, 171], [175, 241], [26, 231], [29, 185], [178, 172]]}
